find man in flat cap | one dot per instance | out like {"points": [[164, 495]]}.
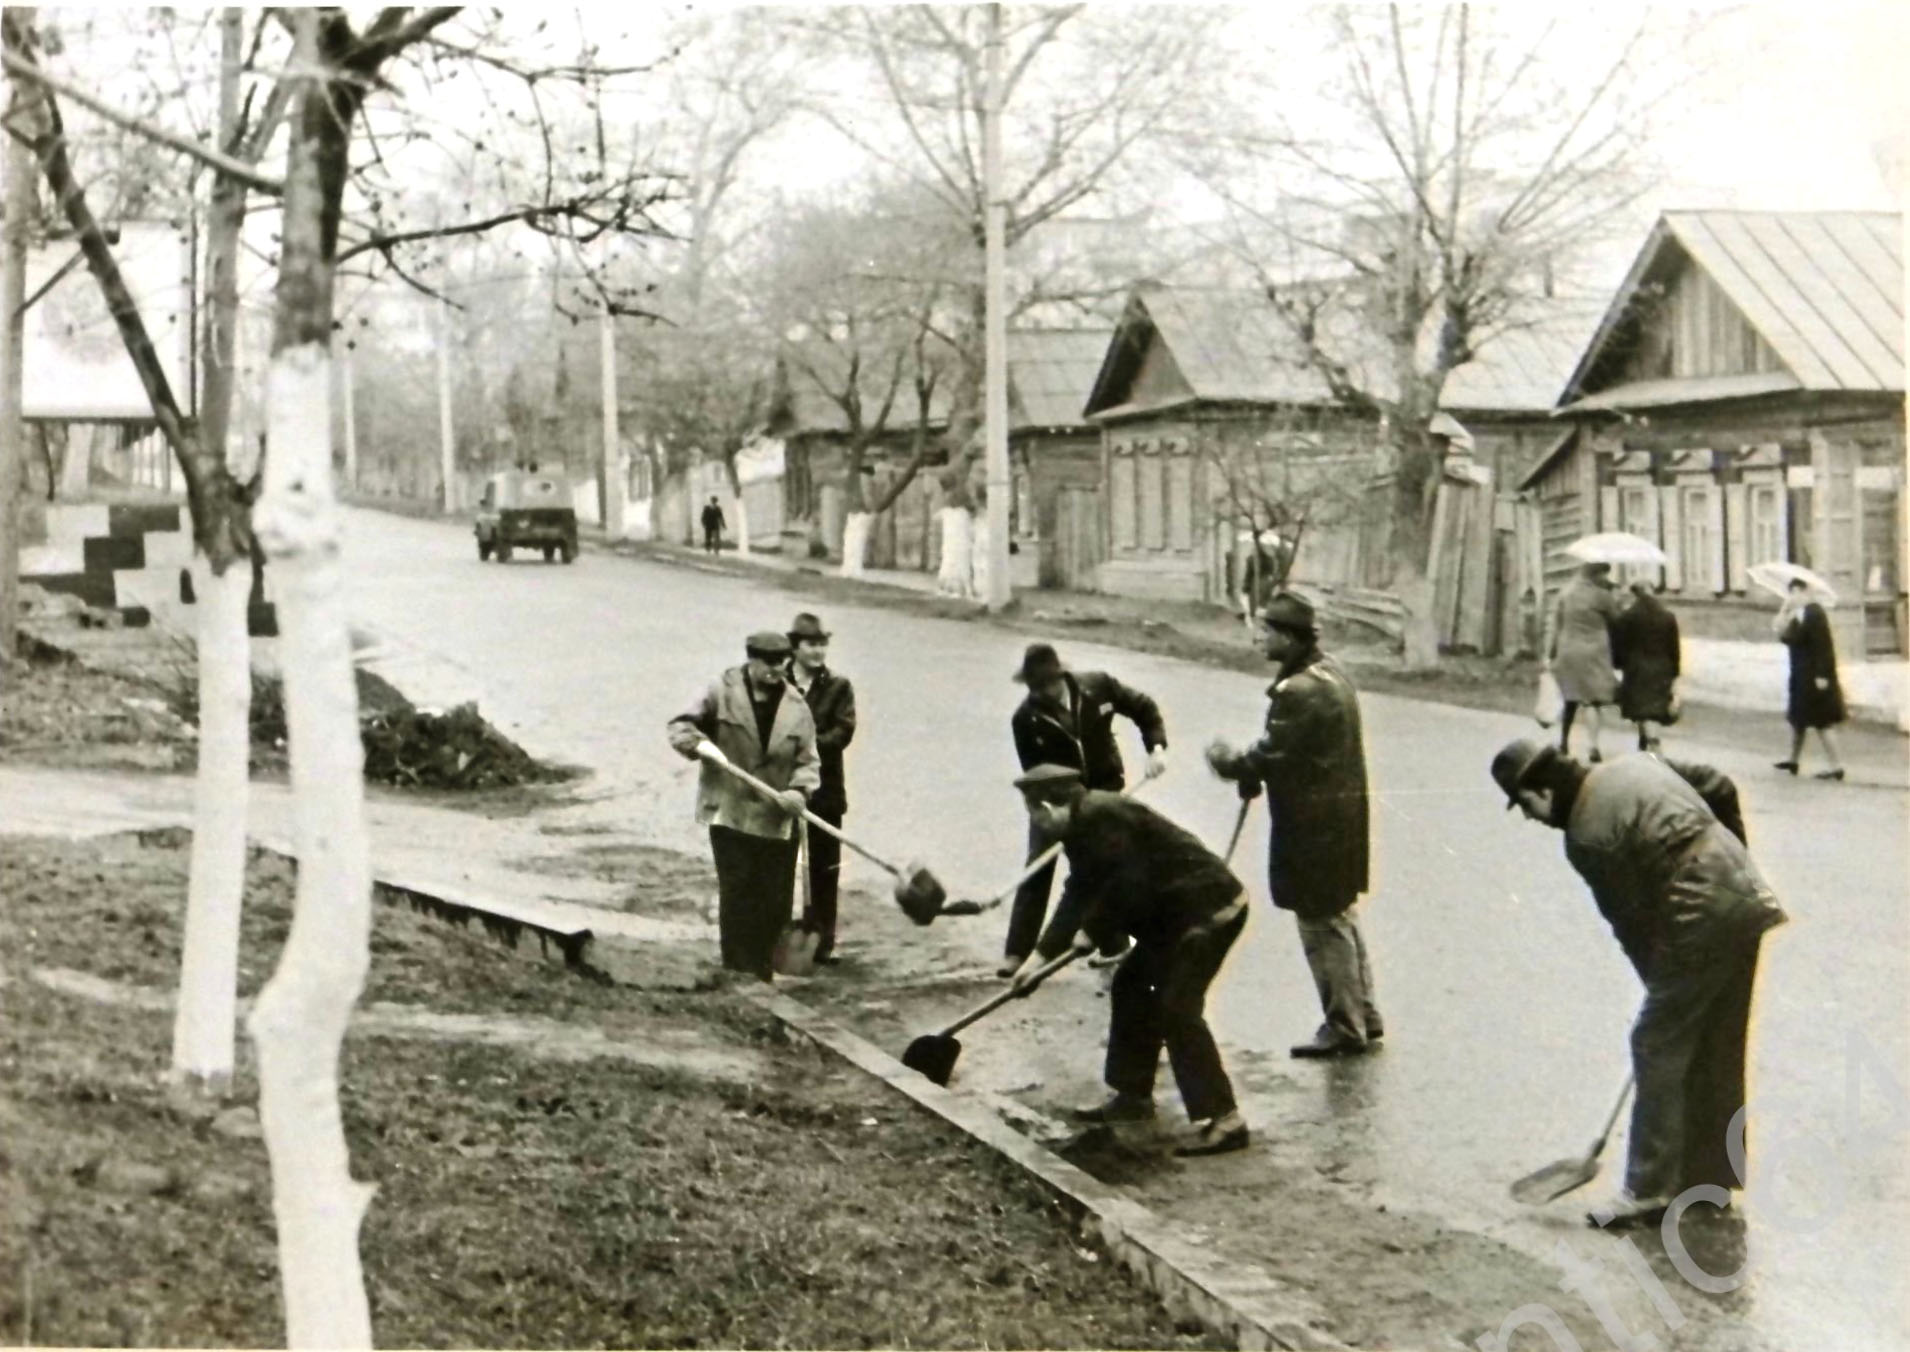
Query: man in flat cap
{"points": [[832, 705], [1661, 846], [1312, 764], [1068, 719], [1135, 875], [745, 719]]}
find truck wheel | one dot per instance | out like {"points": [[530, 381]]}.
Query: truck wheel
{"points": [[503, 552], [550, 552], [570, 552], [484, 550]]}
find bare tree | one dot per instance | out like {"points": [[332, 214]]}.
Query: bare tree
{"points": [[1470, 159]]}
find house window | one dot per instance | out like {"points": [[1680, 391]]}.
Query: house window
{"points": [[1024, 526], [1766, 529], [1703, 543], [1153, 472], [1121, 500], [1180, 503]]}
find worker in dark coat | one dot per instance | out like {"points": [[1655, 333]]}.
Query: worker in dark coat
{"points": [[1645, 651], [1690, 910], [746, 719], [1068, 719], [1816, 699], [1134, 875], [832, 705], [713, 523], [1312, 763]]}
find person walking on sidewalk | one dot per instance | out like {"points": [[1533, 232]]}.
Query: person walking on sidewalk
{"points": [[713, 525], [1068, 719], [1312, 763], [746, 719], [1135, 875], [1815, 698], [1690, 909], [1644, 646], [1580, 652], [832, 706]]}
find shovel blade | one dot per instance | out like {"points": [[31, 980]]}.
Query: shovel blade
{"points": [[795, 951], [932, 1056], [1555, 1180]]}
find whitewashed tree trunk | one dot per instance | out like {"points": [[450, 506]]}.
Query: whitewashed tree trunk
{"points": [[956, 575], [203, 1021], [299, 1022], [979, 557], [855, 543], [742, 528]]}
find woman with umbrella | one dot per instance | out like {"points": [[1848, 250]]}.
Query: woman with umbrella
{"points": [[1580, 653], [1645, 651], [1815, 699]]}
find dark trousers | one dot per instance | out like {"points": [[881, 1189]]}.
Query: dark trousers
{"points": [[1687, 1050], [1158, 999], [1342, 974], [755, 886], [825, 877], [713, 539]]}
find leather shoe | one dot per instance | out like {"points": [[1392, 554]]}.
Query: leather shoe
{"points": [[1838, 773], [1117, 1107], [1789, 767], [1009, 966], [1216, 1136], [1323, 1047], [1625, 1212]]}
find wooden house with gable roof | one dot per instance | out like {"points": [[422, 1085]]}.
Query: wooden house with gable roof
{"points": [[1741, 402]]}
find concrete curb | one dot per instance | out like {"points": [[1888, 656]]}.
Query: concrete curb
{"points": [[1239, 1302]]}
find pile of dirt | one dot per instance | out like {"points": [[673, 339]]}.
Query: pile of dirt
{"points": [[415, 748], [638, 1169]]}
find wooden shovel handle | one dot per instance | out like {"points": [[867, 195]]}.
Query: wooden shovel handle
{"points": [[1039, 862], [995, 1002], [808, 816]]}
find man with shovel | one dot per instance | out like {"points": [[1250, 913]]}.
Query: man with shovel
{"points": [[745, 719], [1132, 873], [1690, 910], [1068, 719]]}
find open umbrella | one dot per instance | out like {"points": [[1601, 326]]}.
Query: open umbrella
{"points": [[1777, 576], [1615, 547]]}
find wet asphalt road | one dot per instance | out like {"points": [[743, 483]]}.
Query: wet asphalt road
{"points": [[1506, 1000]]}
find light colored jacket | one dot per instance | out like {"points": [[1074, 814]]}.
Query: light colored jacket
{"points": [[725, 716]]}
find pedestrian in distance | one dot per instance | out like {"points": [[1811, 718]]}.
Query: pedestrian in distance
{"points": [[1135, 877], [1815, 698], [1580, 653], [1068, 719], [1690, 909], [713, 526], [832, 706], [745, 718], [1312, 764], [1644, 646]]}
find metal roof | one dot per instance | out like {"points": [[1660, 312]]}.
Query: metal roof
{"points": [[1523, 367], [1051, 373], [1823, 288]]}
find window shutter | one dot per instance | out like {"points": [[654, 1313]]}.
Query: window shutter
{"points": [[1180, 503], [1737, 533], [1608, 508], [1153, 517], [1671, 535], [1121, 500], [1714, 500]]}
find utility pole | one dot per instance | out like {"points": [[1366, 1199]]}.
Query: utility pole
{"points": [[613, 477], [447, 434], [351, 420], [995, 328], [13, 281]]}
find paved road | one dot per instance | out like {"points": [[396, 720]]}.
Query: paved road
{"points": [[1507, 1002]]}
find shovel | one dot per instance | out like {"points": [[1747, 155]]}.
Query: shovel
{"points": [[1033, 866], [917, 891], [795, 951], [1572, 1173], [933, 1054]]}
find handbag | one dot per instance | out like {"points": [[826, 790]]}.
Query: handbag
{"points": [[1549, 706]]}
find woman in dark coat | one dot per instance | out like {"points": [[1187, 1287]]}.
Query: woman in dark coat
{"points": [[1645, 651], [1816, 700]]}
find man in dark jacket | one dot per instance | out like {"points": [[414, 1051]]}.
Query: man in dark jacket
{"points": [[1068, 719], [713, 524], [1133, 874], [832, 704], [1313, 765], [1690, 910]]}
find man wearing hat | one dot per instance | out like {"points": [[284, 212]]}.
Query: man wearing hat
{"points": [[1068, 719], [1312, 763], [1133, 874], [1690, 909], [832, 706], [745, 719]]}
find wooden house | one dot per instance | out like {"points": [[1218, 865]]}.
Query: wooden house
{"points": [[1059, 540], [1741, 402]]}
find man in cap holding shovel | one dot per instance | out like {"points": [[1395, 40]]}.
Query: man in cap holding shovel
{"points": [[1690, 910], [1133, 874], [745, 719], [1068, 719], [832, 705], [1312, 763]]}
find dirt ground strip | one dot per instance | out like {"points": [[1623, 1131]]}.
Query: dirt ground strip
{"points": [[558, 1162]]}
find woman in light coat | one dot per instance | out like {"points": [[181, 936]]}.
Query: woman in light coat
{"points": [[1580, 655]]}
